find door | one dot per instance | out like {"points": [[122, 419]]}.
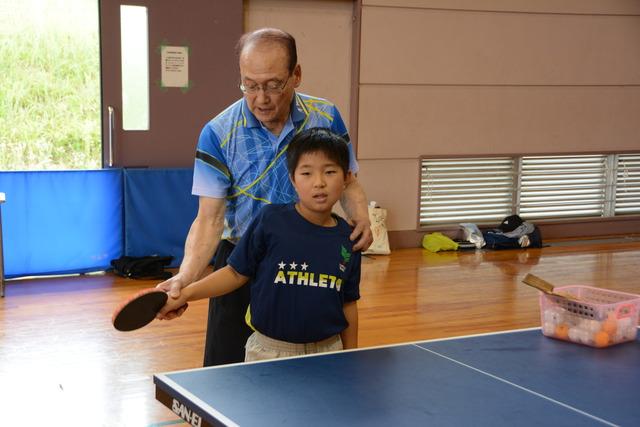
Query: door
{"points": [[173, 63]]}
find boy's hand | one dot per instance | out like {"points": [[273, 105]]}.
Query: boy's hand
{"points": [[172, 286], [174, 308]]}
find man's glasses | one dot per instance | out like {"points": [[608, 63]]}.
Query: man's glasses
{"points": [[270, 88]]}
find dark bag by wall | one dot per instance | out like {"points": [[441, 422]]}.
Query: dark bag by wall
{"points": [[145, 267], [497, 240], [535, 238]]}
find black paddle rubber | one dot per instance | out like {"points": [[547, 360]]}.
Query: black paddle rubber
{"points": [[139, 310]]}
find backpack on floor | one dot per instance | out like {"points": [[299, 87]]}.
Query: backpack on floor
{"points": [[145, 267]]}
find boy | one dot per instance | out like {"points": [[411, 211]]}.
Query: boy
{"points": [[304, 275]]}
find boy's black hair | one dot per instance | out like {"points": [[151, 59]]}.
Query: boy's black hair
{"points": [[315, 140]]}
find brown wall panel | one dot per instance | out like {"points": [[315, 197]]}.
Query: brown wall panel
{"points": [[592, 227], [323, 35], [209, 28], [409, 121], [491, 77], [468, 77], [393, 184], [423, 46], [625, 7], [210, 36]]}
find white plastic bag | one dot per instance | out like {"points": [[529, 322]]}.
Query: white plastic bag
{"points": [[378, 219], [473, 234]]}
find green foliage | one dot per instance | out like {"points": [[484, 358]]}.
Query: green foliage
{"points": [[49, 99]]}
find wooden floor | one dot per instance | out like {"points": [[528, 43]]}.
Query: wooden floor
{"points": [[62, 363]]}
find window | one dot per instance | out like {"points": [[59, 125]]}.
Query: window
{"points": [[563, 186], [627, 192], [135, 67], [485, 190], [49, 85], [466, 190]]}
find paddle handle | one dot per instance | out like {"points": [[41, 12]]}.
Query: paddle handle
{"points": [[546, 287]]}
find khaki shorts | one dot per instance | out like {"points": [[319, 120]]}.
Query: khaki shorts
{"points": [[261, 347]]}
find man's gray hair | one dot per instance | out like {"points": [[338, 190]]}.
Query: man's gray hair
{"points": [[273, 35]]}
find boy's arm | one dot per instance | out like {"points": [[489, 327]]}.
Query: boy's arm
{"points": [[218, 283], [349, 335]]}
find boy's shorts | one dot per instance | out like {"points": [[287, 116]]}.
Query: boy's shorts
{"points": [[261, 347]]}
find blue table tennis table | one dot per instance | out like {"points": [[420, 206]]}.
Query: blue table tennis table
{"points": [[515, 378]]}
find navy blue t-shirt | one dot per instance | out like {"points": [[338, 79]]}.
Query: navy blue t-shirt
{"points": [[302, 274]]}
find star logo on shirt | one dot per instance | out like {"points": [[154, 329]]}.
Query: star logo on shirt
{"points": [[281, 265], [304, 266], [293, 265]]}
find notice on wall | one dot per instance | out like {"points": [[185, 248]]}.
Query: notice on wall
{"points": [[175, 66]]}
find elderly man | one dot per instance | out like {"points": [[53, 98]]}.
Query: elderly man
{"points": [[240, 166]]}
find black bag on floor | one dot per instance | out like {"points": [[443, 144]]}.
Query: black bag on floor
{"points": [[144, 267]]}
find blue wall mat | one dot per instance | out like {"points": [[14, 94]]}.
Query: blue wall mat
{"points": [[58, 222], [159, 210]]}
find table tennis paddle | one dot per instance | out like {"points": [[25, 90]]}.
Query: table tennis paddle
{"points": [[546, 287], [140, 309]]}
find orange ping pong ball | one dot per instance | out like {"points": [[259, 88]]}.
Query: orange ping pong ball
{"points": [[610, 326], [562, 331], [601, 339]]}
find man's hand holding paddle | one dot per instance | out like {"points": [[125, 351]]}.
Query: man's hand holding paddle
{"points": [[175, 306], [141, 308], [173, 287]]}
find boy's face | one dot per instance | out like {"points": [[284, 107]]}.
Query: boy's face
{"points": [[319, 182]]}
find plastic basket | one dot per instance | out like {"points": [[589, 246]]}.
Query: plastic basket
{"points": [[601, 318]]}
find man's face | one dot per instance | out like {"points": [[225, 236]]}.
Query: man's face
{"points": [[264, 66]]}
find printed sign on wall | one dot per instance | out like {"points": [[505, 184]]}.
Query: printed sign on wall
{"points": [[175, 66]]}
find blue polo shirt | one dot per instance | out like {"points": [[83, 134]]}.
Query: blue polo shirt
{"points": [[237, 158]]}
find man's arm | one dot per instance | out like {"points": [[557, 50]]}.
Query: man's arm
{"points": [[354, 204], [202, 241], [349, 336]]}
